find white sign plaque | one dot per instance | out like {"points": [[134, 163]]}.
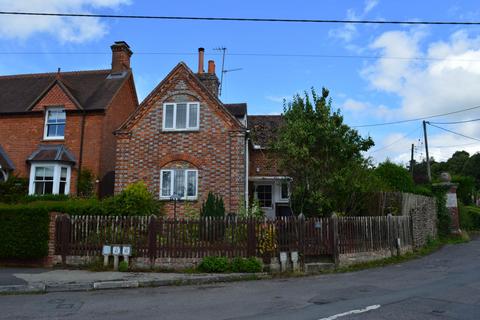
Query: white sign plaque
{"points": [[107, 250], [126, 250], [116, 250], [283, 257], [294, 256], [452, 200]]}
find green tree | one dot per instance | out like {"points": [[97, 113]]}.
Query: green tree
{"points": [[472, 168], [313, 147], [395, 177], [457, 161]]}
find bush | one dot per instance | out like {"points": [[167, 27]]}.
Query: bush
{"points": [[13, 190], [443, 216], [248, 265], [123, 266], [214, 264], [23, 232], [86, 183], [465, 190], [213, 206], [135, 200], [469, 217]]}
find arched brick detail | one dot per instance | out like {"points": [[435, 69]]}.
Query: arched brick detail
{"points": [[180, 157]]}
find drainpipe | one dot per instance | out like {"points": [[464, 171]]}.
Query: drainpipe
{"points": [[80, 157], [247, 165]]}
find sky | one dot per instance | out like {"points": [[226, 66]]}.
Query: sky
{"points": [[375, 73]]}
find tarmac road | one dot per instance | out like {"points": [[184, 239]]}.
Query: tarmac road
{"points": [[444, 285]]}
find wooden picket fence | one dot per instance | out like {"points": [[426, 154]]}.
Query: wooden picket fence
{"points": [[154, 237]]}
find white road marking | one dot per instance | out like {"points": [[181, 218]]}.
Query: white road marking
{"points": [[336, 316]]}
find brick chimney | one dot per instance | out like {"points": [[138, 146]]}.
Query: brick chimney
{"points": [[209, 79], [121, 54]]}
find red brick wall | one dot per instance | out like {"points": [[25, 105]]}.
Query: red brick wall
{"points": [[264, 161], [216, 150], [20, 135]]}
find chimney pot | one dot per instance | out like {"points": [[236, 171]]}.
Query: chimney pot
{"points": [[121, 54], [211, 66], [201, 57]]}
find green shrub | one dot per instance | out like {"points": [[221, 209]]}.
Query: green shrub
{"points": [[466, 188], [134, 200], [214, 264], [13, 190], [123, 266], [246, 265], [23, 232], [396, 177], [443, 215], [469, 217], [86, 183], [213, 206]]}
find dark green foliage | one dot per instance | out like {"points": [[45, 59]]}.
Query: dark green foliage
{"points": [[214, 264], [313, 147], [246, 265], [443, 216], [466, 188], [213, 206], [456, 163], [472, 168], [123, 266], [23, 232], [469, 217], [395, 177], [86, 183], [13, 190]]}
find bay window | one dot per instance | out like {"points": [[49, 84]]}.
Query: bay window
{"points": [[181, 183], [49, 178], [181, 116]]}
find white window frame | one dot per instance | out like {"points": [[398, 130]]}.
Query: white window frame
{"points": [[187, 128], [172, 180], [271, 185], [57, 169], [280, 191], [45, 127]]}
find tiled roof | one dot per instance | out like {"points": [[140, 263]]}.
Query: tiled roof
{"points": [[5, 162], [92, 89], [52, 153], [239, 110], [264, 129]]}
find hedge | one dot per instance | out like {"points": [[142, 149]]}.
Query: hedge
{"points": [[23, 232], [469, 217]]}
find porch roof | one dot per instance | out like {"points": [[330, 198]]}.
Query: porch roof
{"points": [[5, 162]]}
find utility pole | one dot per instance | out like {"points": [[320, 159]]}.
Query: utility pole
{"points": [[429, 173], [412, 161]]}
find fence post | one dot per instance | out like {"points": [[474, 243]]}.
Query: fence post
{"points": [[152, 239], [390, 233], [65, 237], [251, 238], [335, 240]]}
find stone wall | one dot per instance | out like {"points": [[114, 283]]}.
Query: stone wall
{"points": [[423, 211]]}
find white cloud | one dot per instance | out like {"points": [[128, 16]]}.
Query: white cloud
{"points": [[278, 99], [445, 79], [64, 28], [349, 31], [354, 105]]}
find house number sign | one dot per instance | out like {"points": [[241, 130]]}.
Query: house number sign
{"points": [[116, 250]]}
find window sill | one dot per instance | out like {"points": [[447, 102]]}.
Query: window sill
{"points": [[54, 139], [180, 200], [180, 130]]}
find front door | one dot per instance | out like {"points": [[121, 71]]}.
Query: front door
{"points": [[264, 194]]}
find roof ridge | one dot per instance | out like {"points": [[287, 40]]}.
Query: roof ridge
{"points": [[26, 75]]}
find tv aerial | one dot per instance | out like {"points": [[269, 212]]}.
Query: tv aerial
{"points": [[224, 71]]}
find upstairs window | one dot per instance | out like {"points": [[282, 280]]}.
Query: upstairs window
{"points": [[55, 119], [180, 183], [181, 116]]}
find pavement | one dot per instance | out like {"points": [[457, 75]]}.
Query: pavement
{"points": [[23, 280], [443, 285]]}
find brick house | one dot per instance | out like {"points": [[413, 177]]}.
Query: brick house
{"points": [[184, 142], [53, 125]]}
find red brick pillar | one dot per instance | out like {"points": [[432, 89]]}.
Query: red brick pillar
{"points": [[49, 259]]}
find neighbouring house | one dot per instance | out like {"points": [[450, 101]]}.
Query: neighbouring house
{"points": [[54, 125], [183, 142]]}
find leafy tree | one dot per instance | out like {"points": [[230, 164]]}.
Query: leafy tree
{"points": [[313, 147], [466, 188], [457, 161], [86, 183], [472, 168], [395, 177]]}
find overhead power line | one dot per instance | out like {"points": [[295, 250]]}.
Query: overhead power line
{"points": [[457, 122], [396, 141], [414, 119], [283, 20], [454, 146], [457, 133]]}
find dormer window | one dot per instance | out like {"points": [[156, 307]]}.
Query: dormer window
{"points": [[181, 116], [54, 124]]}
